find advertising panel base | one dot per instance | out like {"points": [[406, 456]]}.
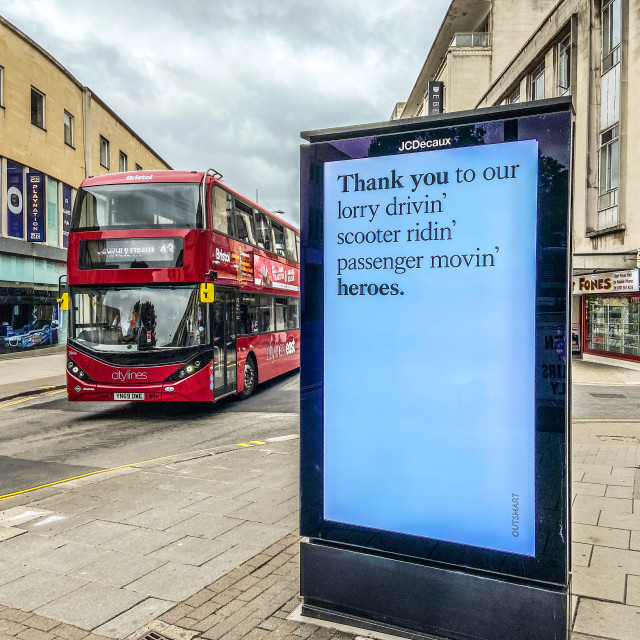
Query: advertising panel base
{"points": [[399, 597]]}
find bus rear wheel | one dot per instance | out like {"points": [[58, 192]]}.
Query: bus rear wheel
{"points": [[250, 378]]}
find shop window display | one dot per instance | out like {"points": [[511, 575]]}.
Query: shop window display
{"points": [[613, 324], [24, 326]]}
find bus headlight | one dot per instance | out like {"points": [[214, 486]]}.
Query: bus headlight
{"points": [[188, 369], [74, 369]]}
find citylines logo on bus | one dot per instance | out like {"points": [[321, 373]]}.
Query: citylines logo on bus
{"points": [[126, 376], [276, 351]]}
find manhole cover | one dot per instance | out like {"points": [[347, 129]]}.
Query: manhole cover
{"points": [[607, 395], [627, 439]]}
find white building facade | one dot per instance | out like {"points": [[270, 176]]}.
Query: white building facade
{"points": [[493, 52]]}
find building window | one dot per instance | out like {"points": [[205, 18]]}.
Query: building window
{"points": [[610, 34], [123, 162], [537, 83], [37, 108], [68, 129], [104, 152], [564, 67], [514, 98], [609, 168], [138, 167], [1, 86]]}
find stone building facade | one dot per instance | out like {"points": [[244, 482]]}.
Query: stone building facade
{"points": [[54, 131], [493, 52]]}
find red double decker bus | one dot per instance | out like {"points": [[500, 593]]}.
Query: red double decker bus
{"points": [[180, 289]]}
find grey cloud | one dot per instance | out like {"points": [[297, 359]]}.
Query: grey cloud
{"points": [[231, 84]]}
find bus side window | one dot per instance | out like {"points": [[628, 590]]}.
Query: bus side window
{"points": [[244, 223], [266, 314], [248, 322], [263, 231], [290, 244], [293, 308], [221, 211], [278, 236], [281, 310]]}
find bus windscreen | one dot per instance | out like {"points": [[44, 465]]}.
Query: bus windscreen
{"points": [[138, 206], [138, 318]]}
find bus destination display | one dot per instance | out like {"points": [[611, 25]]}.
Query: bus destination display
{"points": [[429, 344], [131, 253]]}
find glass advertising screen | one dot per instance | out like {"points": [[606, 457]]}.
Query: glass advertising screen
{"points": [[432, 252], [435, 264]]}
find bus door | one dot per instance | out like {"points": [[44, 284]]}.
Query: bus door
{"points": [[224, 343]]}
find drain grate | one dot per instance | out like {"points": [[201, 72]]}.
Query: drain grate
{"points": [[607, 395], [154, 635]]}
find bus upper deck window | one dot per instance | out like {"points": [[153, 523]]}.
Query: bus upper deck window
{"points": [[279, 237], [263, 231], [221, 211], [245, 223]]}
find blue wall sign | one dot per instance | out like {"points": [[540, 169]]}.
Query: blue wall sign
{"points": [[15, 200], [36, 207], [66, 214]]}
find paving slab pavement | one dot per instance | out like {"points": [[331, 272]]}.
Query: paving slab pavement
{"points": [[33, 374], [208, 545]]}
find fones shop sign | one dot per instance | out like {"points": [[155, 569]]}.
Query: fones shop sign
{"points": [[610, 282]]}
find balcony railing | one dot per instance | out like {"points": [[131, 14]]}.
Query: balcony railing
{"points": [[481, 39]]}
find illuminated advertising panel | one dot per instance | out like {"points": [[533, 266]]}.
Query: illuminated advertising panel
{"points": [[443, 243], [435, 300]]}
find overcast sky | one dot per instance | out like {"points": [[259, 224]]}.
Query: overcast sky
{"points": [[230, 85]]}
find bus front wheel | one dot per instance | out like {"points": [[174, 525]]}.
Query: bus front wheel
{"points": [[250, 378]]}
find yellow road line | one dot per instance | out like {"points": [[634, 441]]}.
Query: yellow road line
{"points": [[122, 466], [17, 401], [53, 393]]}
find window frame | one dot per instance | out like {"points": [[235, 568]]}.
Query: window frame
{"points": [[609, 145], [514, 97], [106, 157], [123, 161], [39, 93], [66, 115], [1, 86], [537, 74], [610, 50], [564, 49]]}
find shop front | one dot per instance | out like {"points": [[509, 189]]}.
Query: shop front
{"points": [[29, 318], [609, 314]]}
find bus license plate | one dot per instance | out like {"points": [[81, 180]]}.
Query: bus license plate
{"points": [[128, 396]]}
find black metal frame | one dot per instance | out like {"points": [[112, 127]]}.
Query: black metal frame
{"points": [[549, 122]]}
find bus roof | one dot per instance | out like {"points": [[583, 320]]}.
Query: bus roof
{"points": [[163, 175]]}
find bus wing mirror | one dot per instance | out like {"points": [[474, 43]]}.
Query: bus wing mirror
{"points": [[206, 292], [64, 302]]}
